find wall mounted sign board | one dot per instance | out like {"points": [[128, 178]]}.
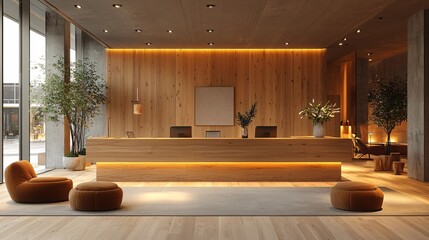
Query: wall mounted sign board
{"points": [[214, 106]]}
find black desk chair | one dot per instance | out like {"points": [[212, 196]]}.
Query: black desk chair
{"points": [[181, 131], [266, 132]]}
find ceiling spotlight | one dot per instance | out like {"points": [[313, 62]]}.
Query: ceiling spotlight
{"points": [[210, 30], [105, 30], [148, 43], [370, 59], [210, 5], [370, 54], [78, 6], [138, 30], [345, 39], [340, 44], [210, 43], [286, 43], [358, 31], [170, 31], [117, 5]]}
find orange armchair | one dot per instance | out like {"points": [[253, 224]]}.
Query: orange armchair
{"points": [[24, 186]]}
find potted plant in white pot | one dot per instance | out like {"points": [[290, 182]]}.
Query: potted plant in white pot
{"points": [[319, 114], [75, 102], [244, 120]]}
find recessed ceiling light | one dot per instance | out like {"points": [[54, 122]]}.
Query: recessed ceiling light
{"points": [[210, 30], [138, 30], [117, 5], [286, 43], [370, 54], [345, 39], [210, 43], [78, 6], [358, 31], [170, 31], [105, 30], [210, 5], [370, 59], [341, 44], [148, 43]]}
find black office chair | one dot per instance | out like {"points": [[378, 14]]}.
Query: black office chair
{"points": [[181, 131], [266, 132]]}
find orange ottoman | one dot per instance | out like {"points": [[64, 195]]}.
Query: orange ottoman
{"points": [[95, 196], [357, 196]]}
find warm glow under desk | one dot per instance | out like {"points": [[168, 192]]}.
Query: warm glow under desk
{"points": [[222, 159]]}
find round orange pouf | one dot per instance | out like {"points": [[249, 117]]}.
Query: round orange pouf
{"points": [[357, 196], [95, 196]]}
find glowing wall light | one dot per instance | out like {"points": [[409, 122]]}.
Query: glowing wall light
{"points": [[137, 106]]}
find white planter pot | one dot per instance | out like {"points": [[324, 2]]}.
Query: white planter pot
{"points": [[318, 130], [74, 163]]}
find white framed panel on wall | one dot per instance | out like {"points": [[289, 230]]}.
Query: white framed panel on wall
{"points": [[214, 106]]}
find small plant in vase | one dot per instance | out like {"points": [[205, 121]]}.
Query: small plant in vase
{"points": [[319, 114], [244, 120]]}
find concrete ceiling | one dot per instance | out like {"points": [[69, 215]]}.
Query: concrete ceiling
{"points": [[382, 36], [248, 23]]}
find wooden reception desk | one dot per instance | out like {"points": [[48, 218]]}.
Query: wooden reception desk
{"points": [[221, 159]]}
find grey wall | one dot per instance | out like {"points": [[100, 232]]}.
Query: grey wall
{"points": [[95, 52], [390, 67]]}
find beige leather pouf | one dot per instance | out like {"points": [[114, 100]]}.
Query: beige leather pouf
{"points": [[357, 196], [95, 196]]}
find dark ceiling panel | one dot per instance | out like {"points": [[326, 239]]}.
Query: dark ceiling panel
{"points": [[249, 23]]}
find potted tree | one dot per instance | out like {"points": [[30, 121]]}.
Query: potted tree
{"points": [[319, 114], [75, 102], [244, 120], [388, 101]]}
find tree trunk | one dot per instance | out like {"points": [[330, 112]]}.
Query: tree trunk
{"points": [[388, 144]]}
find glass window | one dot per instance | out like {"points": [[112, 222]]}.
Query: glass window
{"points": [[37, 75], [11, 71]]}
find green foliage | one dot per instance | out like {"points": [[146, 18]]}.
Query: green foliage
{"points": [[388, 100], [82, 152], [78, 100], [319, 113], [244, 120], [72, 154]]}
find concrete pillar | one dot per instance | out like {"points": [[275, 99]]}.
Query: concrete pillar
{"points": [[54, 49], [96, 52], [418, 96]]}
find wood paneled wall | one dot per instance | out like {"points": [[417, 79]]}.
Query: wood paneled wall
{"points": [[342, 83], [281, 81], [388, 68]]}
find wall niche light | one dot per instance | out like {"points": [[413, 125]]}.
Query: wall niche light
{"points": [[137, 106]]}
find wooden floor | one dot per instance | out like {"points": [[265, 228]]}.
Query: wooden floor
{"points": [[293, 227]]}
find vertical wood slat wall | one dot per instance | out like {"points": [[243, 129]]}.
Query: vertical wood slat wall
{"points": [[281, 81]]}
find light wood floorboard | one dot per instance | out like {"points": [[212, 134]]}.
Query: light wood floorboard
{"points": [[288, 227]]}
